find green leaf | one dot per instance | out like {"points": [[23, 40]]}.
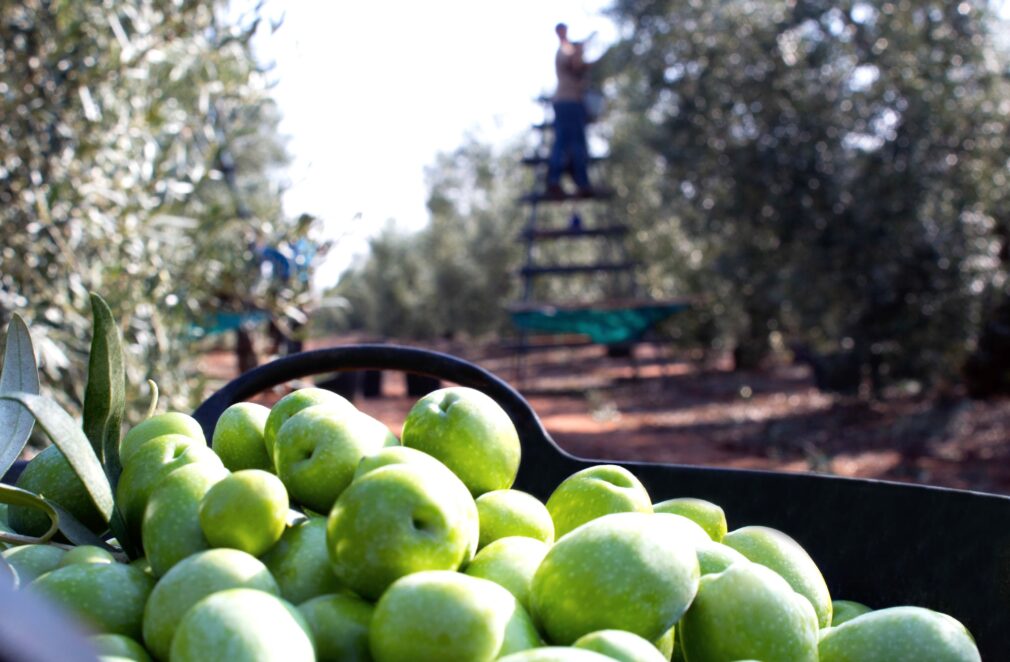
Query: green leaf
{"points": [[294, 517], [153, 405], [61, 520], [20, 373], [15, 496], [76, 532], [119, 530], [68, 437], [8, 575], [105, 394]]}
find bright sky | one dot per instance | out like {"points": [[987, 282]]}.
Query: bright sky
{"points": [[371, 91]]}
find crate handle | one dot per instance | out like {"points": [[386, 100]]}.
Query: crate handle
{"points": [[379, 357]]}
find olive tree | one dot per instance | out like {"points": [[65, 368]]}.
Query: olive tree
{"points": [[139, 159]]}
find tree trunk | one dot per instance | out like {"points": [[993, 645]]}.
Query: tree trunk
{"points": [[245, 350], [987, 370], [753, 346]]}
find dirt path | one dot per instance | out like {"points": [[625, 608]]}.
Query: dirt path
{"points": [[673, 410]]}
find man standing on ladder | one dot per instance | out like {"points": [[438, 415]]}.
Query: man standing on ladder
{"points": [[569, 118]]}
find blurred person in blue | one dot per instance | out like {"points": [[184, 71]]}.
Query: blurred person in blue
{"points": [[570, 117], [289, 262]]}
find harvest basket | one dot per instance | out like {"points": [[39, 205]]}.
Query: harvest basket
{"points": [[880, 543]]}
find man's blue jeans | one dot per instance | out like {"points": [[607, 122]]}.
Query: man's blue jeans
{"points": [[569, 144]]}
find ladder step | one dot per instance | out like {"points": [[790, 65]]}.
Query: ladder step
{"points": [[549, 126], [606, 231], [571, 269], [542, 160], [539, 196]]}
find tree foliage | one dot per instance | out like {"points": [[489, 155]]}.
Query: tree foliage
{"points": [[454, 275], [838, 169], [138, 159]]}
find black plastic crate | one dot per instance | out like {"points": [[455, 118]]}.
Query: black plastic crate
{"points": [[881, 543]]}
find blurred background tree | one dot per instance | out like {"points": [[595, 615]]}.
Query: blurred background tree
{"points": [[140, 159], [453, 277], [840, 166], [827, 177]]}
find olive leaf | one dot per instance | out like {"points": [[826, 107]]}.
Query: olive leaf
{"points": [[118, 527], [68, 437], [75, 531], [59, 518], [8, 576], [15, 496], [153, 405], [20, 373], [105, 394], [295, 517]]}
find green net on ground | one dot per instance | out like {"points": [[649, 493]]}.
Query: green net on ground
{"points": [[602, 325]]}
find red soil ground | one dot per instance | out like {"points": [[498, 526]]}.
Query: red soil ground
{"points": [[670, 409]]}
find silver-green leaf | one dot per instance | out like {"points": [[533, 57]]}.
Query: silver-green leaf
{"points": [[105, 394], [20, 373], [76, 532], [15, 496], [64, 431], [152, 406]]}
